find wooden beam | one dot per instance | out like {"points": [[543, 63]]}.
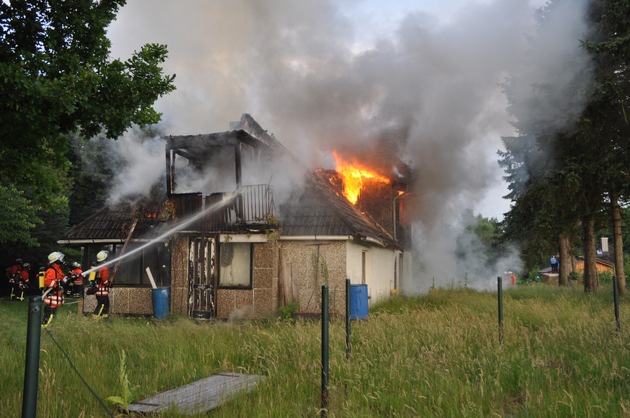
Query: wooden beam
{"points": [[124, 248]]}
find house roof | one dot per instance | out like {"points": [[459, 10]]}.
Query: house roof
{"points": [[316, 209], [199, 146], [319, 209], [113, 224]]}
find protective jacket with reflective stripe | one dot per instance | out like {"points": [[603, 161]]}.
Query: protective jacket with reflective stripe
{"points": [[53, 278], [102, 281]]}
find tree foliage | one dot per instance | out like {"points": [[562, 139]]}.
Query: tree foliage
{"points": [[57, 80], [562, 181], [17, 219]]}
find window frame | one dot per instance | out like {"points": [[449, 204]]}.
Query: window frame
{"points": [[160, 257], [250, 284]]}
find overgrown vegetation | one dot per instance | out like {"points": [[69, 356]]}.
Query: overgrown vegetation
{"points": [[435, 355]]}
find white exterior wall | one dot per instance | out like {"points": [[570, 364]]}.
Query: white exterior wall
{"points": [[379, 269]]}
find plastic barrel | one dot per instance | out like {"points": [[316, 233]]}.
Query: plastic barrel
{"points": [[161, 301], [358, 301]]}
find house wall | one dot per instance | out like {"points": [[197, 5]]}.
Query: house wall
{"points": [[379, 269], [306, 266], [179, 274], [262, 299], [601, 267], [124, 301]]}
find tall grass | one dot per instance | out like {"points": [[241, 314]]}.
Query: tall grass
{"points": [[435, 355]]}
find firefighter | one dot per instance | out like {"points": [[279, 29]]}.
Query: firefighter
{"points": [[102, 286], [24, 279], [17, 266], [53, 282], [14, 276], [77, 284]]}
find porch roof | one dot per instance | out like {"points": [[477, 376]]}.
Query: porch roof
{"points": [[112, 224]]}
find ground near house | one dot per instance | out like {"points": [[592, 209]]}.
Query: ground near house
{"points": [[434, 355]]}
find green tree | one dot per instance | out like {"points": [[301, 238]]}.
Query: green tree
{"points": [[606, 120], [57, 80], [17, 221], [587, 167]]}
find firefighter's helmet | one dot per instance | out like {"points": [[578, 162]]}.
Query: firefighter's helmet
{"points": [[76, 265], [101, 256], [55, 257], [26, 265]]}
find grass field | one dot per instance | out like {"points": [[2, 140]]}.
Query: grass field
{"points": [[435, 355]]}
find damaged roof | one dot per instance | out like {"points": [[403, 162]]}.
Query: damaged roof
{"points": [[320, 210], [113, 224], [317, 209]]}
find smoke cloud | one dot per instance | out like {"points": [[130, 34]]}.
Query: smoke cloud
{"points": [[138, 163], [319, 80]]}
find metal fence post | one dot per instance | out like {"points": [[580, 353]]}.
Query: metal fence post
{"points": [[325, 322], [500, 298], [348, 329], [31, 369]]}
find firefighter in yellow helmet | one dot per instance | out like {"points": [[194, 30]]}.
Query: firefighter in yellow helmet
{"points": [[102, 286]]}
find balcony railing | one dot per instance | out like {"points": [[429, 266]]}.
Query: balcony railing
{"points": [[252, 208]]}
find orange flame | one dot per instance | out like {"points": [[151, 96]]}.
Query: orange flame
{"points": [[353, 175]]}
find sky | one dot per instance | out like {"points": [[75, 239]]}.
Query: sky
{"points": [[425, 78]]}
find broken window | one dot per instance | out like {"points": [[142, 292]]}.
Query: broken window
{"points": [[131, 271], [235, 264]]}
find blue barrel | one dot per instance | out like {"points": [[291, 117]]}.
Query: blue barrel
{"points": [[358, 301], [161, 301]]}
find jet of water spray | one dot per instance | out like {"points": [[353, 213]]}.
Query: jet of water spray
{"points": [[171, 231]]}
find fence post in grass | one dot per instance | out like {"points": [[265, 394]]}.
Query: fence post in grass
{"points": [[616, 299], [325, 321], [31, 369], [348, 330], [500, 297]]}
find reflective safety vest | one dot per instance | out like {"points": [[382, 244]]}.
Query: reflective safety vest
{"points": [[53, 278], [79, 279], [102, 282]]}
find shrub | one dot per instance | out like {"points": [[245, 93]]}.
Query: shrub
{"points": [[287, 311], [605, 277]]}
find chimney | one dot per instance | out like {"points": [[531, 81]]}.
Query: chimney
{"points": [[604, 244]]}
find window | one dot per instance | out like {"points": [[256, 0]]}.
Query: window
{"points": [[131, 270], [235, 264]]}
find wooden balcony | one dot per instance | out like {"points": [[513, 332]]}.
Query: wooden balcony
{"points": [[250, 210]]}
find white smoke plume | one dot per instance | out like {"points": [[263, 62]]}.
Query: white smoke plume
{"points": [[319, 80], [138, 164]]}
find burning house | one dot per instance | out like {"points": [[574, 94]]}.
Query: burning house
{"points": [[241, 229]]}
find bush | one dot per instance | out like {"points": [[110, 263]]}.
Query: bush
{"points": [[605, 277], [286, 312]]}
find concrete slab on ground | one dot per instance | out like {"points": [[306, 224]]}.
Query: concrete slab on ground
{"points": [[200, 396]]}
